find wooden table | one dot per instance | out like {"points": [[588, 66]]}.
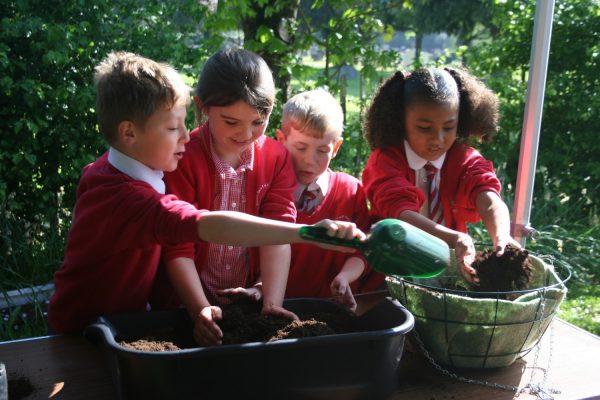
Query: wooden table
{"points": [[68, 367]]}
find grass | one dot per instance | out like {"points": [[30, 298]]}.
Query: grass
{"points": [[582, 307], [24, 321]]}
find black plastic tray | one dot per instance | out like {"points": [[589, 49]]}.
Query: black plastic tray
{"points": [[359, 365]]}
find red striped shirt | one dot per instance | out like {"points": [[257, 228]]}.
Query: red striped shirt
{"points": [[227, 266]]}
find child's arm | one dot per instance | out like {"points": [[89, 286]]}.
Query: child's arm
{"points": [[340, 286], [184, 276], [240, 229], [274, 269], [495, 216], [461, 242]]}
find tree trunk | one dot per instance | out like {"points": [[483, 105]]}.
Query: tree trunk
{"points": [[279, 22], [418, 48]]}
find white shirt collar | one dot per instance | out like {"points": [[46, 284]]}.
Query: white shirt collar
{"points": [[136, 169], [322, 183], [416, 162]]}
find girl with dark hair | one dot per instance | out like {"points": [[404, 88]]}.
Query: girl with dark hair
{"points": [[422, 170], [230, 164]]}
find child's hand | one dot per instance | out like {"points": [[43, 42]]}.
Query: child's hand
{"points": [[206, 330], [465, 255], [340, 289], [501, 242], [278, 311], [342, 230], [239, 293]]}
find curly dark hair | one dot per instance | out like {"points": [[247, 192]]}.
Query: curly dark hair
{"points": [[383, 124]]}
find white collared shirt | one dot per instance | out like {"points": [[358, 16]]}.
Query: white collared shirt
{"points": [[136, 170], [417, 163]]}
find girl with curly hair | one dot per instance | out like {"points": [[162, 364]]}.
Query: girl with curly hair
{"points": [[422, 170]]}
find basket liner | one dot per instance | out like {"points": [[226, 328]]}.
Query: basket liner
{"points": [[464, 331]]}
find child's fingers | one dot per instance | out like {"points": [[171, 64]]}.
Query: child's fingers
{"points": [[232, 292], [206, 330], [208, 335]]}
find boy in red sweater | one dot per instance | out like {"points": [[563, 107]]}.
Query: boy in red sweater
{"points": [[122, 216], [312, 124]]}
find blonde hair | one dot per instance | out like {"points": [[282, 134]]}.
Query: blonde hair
{"points": [[130, 87], [316, 112]]}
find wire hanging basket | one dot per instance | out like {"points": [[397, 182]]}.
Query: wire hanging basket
{"points": [[467, 329]]}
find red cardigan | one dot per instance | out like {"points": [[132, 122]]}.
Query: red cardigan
{"points": [[113, 247], [313, 268], [390, 184], [269, 193]]}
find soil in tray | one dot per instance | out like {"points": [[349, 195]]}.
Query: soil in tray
{"points": [[509, 272], [243, 323]]}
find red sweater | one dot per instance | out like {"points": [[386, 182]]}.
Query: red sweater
{"points": [[269, 193], [113, 247], [313, 268], [390, 184]]}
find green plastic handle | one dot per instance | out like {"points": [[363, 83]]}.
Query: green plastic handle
{"points": [[319, 234]]}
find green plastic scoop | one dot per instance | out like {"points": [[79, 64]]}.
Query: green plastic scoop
{"points": [[393, 247]]}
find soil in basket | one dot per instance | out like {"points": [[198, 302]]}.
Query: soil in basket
{"points": [[243, 323], [509, 272]]}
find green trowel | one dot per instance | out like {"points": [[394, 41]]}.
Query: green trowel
{"points": [[393, 247]]}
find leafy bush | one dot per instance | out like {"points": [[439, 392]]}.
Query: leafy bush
{"points": [[47, 54], [568, 175]]}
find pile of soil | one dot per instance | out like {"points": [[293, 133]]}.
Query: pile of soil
{"points": [[243, 323], [509, 272], [150, 344]]}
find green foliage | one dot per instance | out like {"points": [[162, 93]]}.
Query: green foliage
{"points": [[47, 54], [29, 252], [567, 171]]}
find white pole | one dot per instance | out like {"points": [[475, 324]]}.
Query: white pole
{"points": [[540, 49]]}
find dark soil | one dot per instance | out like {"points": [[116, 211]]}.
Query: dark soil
{"points": [[19, 387], [243, 323], [509, 272]]}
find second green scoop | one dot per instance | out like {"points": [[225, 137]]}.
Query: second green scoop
{"points": [[393, 247]]}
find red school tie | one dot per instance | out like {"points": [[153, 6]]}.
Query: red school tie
{"points": [[306, 201], [435, 206]]}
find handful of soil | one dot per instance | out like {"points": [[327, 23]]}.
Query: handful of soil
{"points": [[508, 272]]}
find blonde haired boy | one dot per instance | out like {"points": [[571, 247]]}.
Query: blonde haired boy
{"points": [[312, 124]]}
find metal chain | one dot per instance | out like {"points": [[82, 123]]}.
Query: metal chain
{"points": [[539, 390]]}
